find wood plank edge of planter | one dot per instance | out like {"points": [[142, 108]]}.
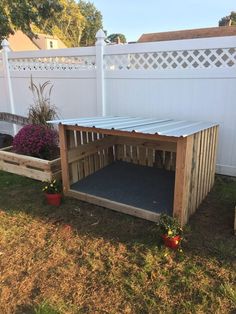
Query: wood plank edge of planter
{"points": [[25, 172], [5, 152], [43, 173], [119, 207]]}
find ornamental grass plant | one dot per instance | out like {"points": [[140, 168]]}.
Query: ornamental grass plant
{"points": [[42, 110]]}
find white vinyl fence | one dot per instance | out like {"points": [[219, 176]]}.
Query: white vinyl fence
{"points": [[192, 79]]}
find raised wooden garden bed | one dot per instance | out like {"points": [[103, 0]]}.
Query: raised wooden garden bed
{"points": [[31, 167]]}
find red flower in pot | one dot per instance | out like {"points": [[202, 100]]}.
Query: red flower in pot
{"points": [[53, 193], [170, 230]]}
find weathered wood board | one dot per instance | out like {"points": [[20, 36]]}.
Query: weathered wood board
{"points": [[31, 167]]}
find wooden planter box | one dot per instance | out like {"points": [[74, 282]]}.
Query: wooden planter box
{"points": [[31, 167]]}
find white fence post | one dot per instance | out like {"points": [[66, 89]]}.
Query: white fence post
{"points": [[100, 43], [7, 78]]}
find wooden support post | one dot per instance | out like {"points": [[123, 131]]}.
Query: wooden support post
{"points": [[64, 158], [182, 178]]}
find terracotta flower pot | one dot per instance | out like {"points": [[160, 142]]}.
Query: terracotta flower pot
{"points": [[53, 199], [172, 242]]}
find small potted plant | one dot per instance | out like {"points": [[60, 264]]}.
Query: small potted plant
{"points": [[52, 191], [170, 230]]}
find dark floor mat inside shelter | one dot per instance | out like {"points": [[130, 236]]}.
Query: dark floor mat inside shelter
{"points": [[140, 186]]}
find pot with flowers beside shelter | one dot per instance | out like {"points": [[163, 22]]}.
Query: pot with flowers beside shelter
{"points": [[52, 191], [171, 232]]}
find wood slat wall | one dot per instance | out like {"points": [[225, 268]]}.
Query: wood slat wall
{"points": [[32, 167], [197, 173], [146, 152], [87, 153]]}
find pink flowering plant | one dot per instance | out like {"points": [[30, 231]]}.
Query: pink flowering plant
{"points": [[52, 187], [37, 141]]}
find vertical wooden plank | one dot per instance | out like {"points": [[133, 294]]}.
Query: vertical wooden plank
{"points": [[167, 160], [96, 156], [74, 166], [201, 168], [189, 177], [173, 161], [68, 132], [194, 176], [105, 154], [216, 129], [183, 178], [91, 158], [64, 158], [134, 154], [195, 205], [120, 152], [193, 172], [128, 153], [101, 153], [212, 170], [150, 155], [86, 159], [204, 169], [101, 158], [204, 151], [110, 155], [142, 156], [209, 160], [80, 162], [158, 159]]}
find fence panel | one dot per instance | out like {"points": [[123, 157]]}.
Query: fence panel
{"points": [[190, 79], [187, 79]]}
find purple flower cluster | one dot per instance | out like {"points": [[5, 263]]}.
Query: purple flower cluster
{"points": [[37, 141]]}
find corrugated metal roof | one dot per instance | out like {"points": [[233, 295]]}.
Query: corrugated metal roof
{"points": [[166, 127]]}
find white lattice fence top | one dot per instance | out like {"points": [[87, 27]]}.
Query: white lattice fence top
{"points": [[184, 59], [53, 64]]}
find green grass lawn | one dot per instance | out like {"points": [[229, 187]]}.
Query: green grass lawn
{"points": [[81, 258]]}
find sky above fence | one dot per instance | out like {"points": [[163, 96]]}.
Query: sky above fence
{"points": [[135, 17]]}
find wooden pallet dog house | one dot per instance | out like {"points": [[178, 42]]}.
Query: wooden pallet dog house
{"points": [[139, 166]]}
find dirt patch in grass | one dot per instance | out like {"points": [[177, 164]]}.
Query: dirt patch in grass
{"points": [[81, 258]]}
